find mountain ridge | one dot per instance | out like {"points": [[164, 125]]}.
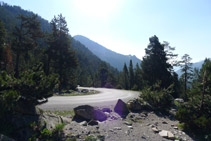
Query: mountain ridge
{"points": [[115, 59]]}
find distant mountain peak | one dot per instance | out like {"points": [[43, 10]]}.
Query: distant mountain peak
{"points": [[115, 59]]}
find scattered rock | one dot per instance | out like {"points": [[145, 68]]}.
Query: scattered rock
{"points": [[121, 108], [89, 113], [163, 133], [131, 127], [175, 127], [127, 123], [164, 122], [117, 128], [155, 129], [166, 134], [170, 135], [83, 123]]}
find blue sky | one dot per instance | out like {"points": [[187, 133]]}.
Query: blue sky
{"points": [[125, 26]]}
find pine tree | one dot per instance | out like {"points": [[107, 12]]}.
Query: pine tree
{"points": [[61, 59], [138, 77], [125, 77], [186, 64], [131, 75], [154, 65], [26, 35]]}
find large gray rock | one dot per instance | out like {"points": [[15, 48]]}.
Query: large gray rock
{"points": [[50, 120], [89, 113], [121, 108]]}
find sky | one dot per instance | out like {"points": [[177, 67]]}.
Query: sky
{"points": [[125, 26]]}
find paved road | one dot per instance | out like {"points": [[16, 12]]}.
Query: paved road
{"points": [[106, 98]]}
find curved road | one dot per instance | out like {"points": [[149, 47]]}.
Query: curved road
{"points": [[106, 98]]}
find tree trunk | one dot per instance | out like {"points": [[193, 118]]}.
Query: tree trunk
{"points": [[186, 86], [17, 65]]}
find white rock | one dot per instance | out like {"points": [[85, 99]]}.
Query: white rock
{"points": [[166, 134], [163, 133], [170, 135], [117, 128], [131, 127], [83, 123], [175, 127], [155, 129]]}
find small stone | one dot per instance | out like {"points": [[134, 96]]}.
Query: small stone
{"points": [[128, 123], [117, 128], [152, 126], [155, 129], [83, 123], [111, 130], [143, 137], [175, 127], [164, 122], [131, 127]]}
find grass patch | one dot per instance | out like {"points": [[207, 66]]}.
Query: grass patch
{"points": [[64, 113], [90, 138], [181, 126]]}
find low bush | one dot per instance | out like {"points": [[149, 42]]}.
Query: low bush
{"points": [[160, 99]]}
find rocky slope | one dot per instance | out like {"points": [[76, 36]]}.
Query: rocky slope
{"points": [[135, 127]]}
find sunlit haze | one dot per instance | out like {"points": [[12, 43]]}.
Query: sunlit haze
{"points": [[125, 26]]}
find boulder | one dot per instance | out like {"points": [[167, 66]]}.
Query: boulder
{"points": [[50, 120], [121, 108], [136, 105], [89, 113]]}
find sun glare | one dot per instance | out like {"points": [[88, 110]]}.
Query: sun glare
{"points": [[97, 8]]}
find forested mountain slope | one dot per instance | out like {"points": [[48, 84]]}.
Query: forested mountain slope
{"points": [[114, 59], [89, 64]]}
